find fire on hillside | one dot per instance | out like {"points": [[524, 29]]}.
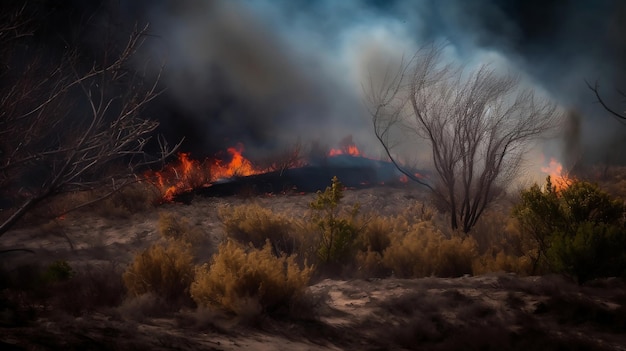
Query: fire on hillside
{"points": [[347, 162], [560, 179]]}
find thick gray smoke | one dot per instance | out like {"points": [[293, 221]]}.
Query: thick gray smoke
{"points": [[266, 72]]}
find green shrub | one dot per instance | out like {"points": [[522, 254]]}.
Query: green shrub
{"points": [[240, 281], [163, 269], [253, 224], [579, 230], [594, 250], [337, 229], [58, 271]]}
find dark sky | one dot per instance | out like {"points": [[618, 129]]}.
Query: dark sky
{"points": [[266, 72]]}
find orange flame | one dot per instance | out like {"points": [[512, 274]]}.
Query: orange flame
{"points": [[185, 174], [351, 150], [559, 179], [237, 166]]}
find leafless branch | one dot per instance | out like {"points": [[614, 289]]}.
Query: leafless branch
{"points": [[477, 123], [596, 90], [64, 128]]}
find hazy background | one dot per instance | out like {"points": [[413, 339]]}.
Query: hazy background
{"points": [[267, 72]]}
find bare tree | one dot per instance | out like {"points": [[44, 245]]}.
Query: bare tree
{"points": [[596, 90], [477, 123], [68, 127]]}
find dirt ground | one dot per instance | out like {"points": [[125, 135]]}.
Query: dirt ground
{"points": [[491, 312]]}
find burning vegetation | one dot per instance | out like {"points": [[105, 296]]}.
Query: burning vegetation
{"points": [[186, 174], [560, 179]]}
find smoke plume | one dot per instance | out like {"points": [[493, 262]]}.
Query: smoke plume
{"points": [[269, 72]]}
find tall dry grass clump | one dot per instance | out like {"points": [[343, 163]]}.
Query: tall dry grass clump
{"points": [[254, 224], [372, 241], [164, 269], [172, 227], [424, 251], [237, 280]]}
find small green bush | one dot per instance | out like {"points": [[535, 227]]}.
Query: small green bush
{"points": [[336, 228], [254, 224], [240, 281], [163, 269], [58, 271], [594, 250], [579, 230]]}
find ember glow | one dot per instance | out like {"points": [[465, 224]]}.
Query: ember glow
{"points": [[560, 180]]}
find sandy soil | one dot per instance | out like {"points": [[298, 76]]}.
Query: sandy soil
{"points": [[491, 312]]}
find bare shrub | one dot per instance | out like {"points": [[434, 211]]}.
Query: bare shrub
{"points": [[249, 282], [134, 198], [424, 251], [172, 227], [254, 224], [142, 306], [372, 241], [163, 269]]}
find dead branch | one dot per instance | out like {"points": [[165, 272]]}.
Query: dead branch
{"points": [[478, 125], [595, 89], [51, 144]]}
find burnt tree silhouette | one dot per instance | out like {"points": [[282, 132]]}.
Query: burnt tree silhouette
{"points": [[478, 124], [65, 125]]}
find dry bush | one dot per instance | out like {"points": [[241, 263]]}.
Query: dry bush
{"points": [[374, 238], [425, 251], [502, 245], [134, 198], [143, 306], [254, 224], [503, 262], [173, 227], [370, 265], [249, 282], [492, 231], [131, 199], [418, 212], [163, 269], [375, 234]]}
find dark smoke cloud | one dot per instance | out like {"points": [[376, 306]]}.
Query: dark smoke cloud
{"points": [[265, 72]]}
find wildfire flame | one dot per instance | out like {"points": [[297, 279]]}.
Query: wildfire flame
{"points": [[351, 150], [237, 166], [559, 179], [185, 174], [346, 147]]}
